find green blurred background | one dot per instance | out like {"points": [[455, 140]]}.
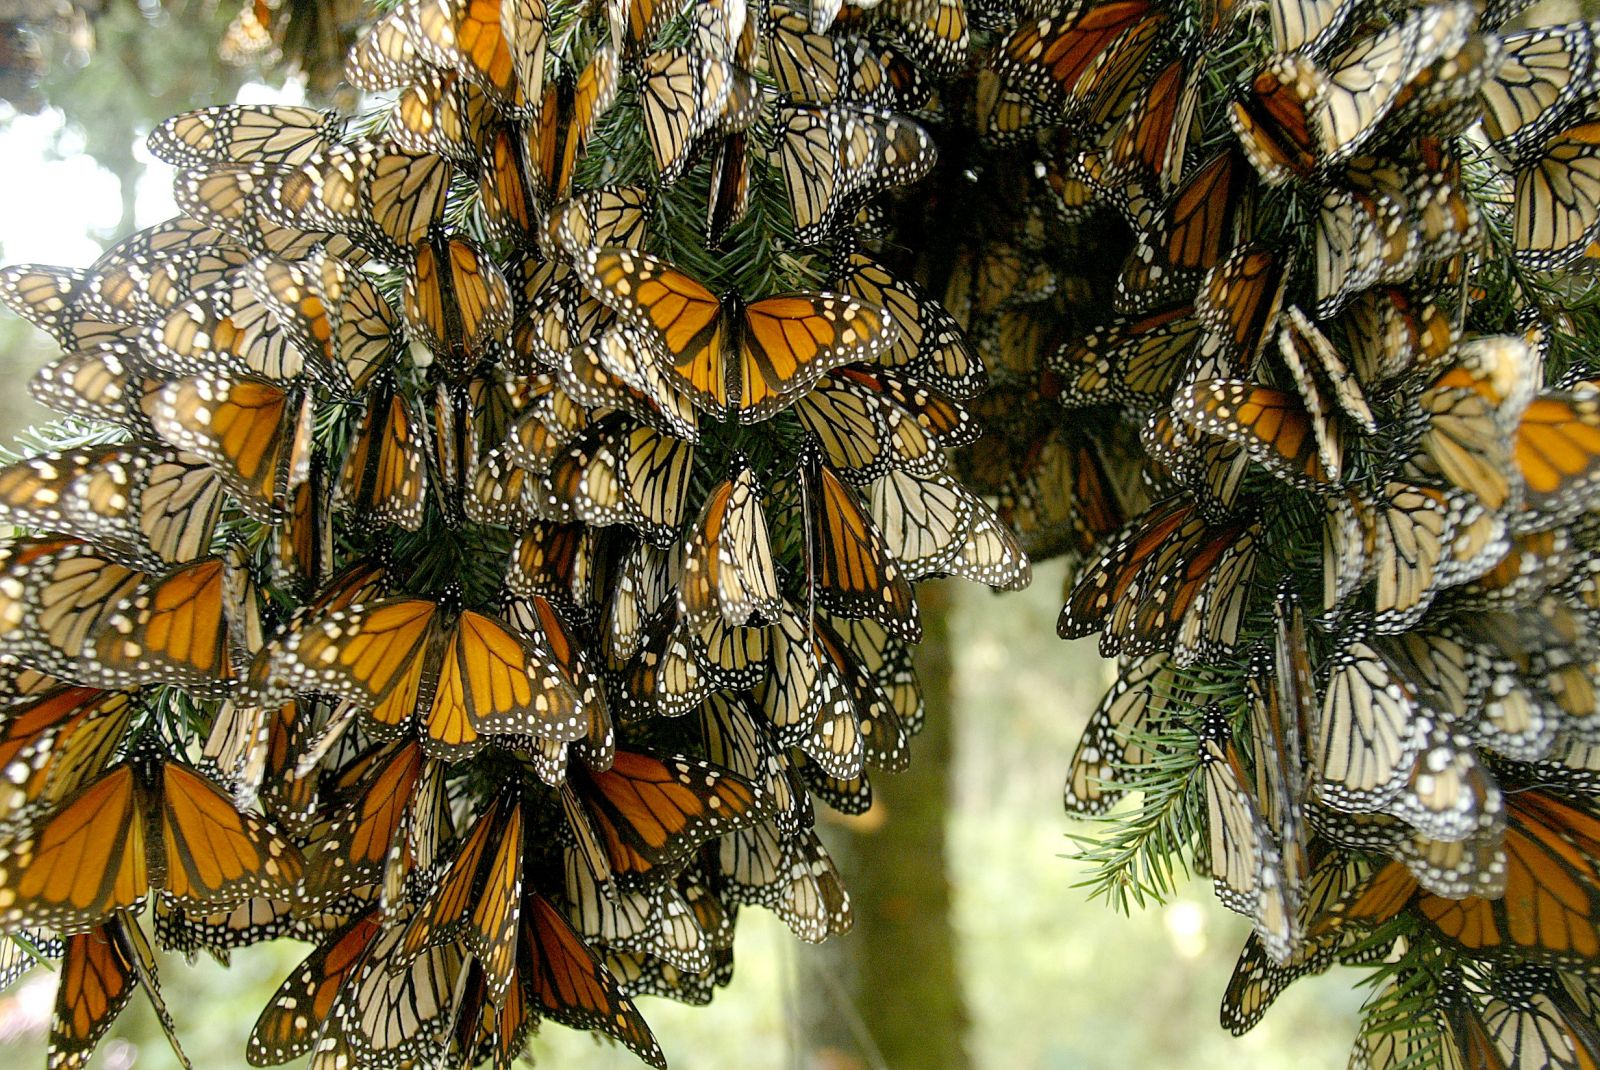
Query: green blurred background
{"points": [[1044, 977]]}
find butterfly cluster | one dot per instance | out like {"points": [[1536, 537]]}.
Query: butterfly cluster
{"points": [[1329, 469], [481, 542], [489, 526]]}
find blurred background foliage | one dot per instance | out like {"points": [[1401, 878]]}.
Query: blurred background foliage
{"points": [[976, 944]]}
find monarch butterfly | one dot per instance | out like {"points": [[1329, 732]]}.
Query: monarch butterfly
{"points": [[376, 832], [829, 68], [1258, 979], [236, 200], [737, 740], [597, 745], [1361, 240], [850, 571], [1413, 541], [1547, 914], [98, 852], [174, 237], [408, 658], [294, 1016], [793, 876], [658, 921], [1273, 120], [255, 434], [1148, 143], [622, 370], [442, 113], [57, 301], [664, 678], [100, 969], [807, 701], [1084, 54], [106, 383], [1306, 25], [727, 563], [143, 289], [178, 628], [509, 188], [686, 94], [1238, 307], [242, 133], [885, 739], [1171, 580], [1102, 584], [383, 478], [1191, 235], [1541, 76], [571, 109], [303, 545], [1471, 411], [143, 506], [1274, 427], [753, 359], [54, 742], [1210, 469], [1417, 1034], [729, 200], [1554, 448], [482, 1030], [1526, 1019], [585, 479], [499, 47], [569, 983], [555, 561], [76, 614], [224, 329], [1385, 334], [1320, 374], [610, 215], [477, 900], [645, 813], [384, 199], [1133, 362], [250, 922], [1245, 859], [930, 345], [1189, 595], [834, 157], [334, 314], [1557, 199], [457, 302], [1133, 708], [872, 421], [934, 526], [389, 1012]]}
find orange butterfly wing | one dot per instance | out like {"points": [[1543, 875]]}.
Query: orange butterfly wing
{"points": [[84, 862], [567, 982], [215, 854]]}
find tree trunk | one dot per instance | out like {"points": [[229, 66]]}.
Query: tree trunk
{"points": [[887, 996]]}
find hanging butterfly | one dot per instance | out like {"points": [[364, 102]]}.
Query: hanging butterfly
{"points": [[752, 359], [834, 158], [849, 569], [144, 824], [407, 659], [100, 969], [282, 135], [457, 303], [646, 813], [143, 507]]}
